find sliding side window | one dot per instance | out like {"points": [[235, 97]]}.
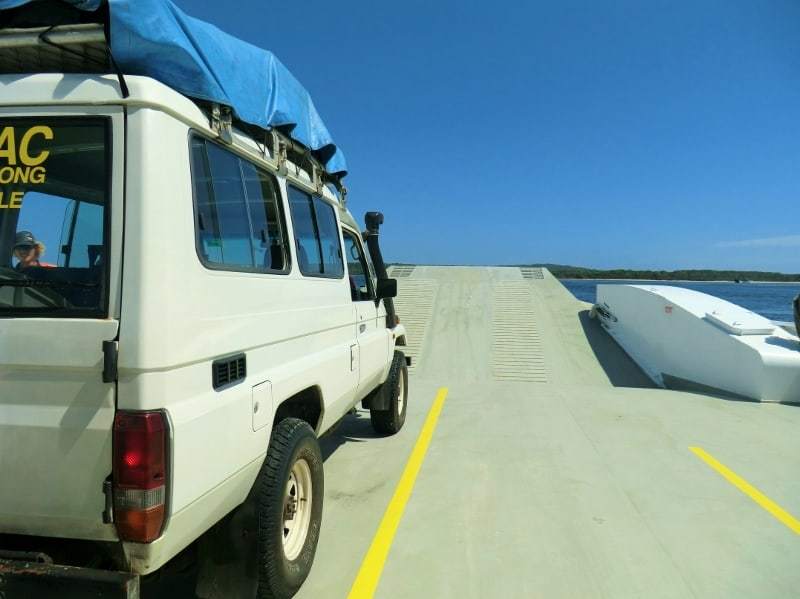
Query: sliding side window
{"points": [[357, 269], [316, 233], [240, 225]]}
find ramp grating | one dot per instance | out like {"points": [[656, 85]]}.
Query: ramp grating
{"points": [[414, 305], [532, 273], [402, 271], [517, 353]]}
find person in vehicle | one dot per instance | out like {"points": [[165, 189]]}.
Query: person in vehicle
{"points": [[28, 250]]}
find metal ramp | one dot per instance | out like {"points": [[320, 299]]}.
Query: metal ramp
{"points": [[414, 304], [532, 273], [517, 353], [402, 271]]}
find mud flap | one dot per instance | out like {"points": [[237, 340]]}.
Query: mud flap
{"points": [[377, 400], [43, 581]]}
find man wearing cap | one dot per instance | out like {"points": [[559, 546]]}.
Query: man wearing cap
{"points": [[28, 250]]}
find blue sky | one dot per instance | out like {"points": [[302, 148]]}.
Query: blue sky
{"points": [[606, 134]]}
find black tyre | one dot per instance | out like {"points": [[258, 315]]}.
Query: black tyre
{"points": [[390, 421], [290, 491]]}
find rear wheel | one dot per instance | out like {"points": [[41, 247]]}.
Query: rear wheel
{"points": [[289, 509], [391, 420]]}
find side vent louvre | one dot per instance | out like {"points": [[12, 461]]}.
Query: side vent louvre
{"points": [[226, 371]]}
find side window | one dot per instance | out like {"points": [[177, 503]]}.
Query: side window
{"points": [[239, 220], [357, 269], [209, 244], [306, 237], [370, 268], [316, 234], [267, 239], [330, 243], [233, 233]]}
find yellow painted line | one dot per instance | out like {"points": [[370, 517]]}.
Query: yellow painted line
{"points": [[745, 487], [371, 568]]}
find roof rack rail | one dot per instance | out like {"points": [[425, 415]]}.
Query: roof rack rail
{"points": [[278, 148], [283, 147], [77, 48]]}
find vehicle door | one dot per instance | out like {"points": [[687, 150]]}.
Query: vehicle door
{"points": [[60, 240], [371, 330]]}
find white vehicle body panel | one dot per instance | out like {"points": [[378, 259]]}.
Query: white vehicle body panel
{"points": [[175, 317], [682, 337]]}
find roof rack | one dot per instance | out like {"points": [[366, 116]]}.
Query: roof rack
{"points": [[282, 148], [83, 48], [78, 48]]}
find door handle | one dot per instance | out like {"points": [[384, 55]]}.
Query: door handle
{"points": [[362, 328]]}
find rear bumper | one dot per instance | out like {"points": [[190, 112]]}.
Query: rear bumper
{"points": [[34, 579]]}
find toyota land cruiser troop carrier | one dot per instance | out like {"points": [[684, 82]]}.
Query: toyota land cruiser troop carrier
{"points": [[186, 305]]}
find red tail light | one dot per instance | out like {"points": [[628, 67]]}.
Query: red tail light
{"points": [[140, 474]]}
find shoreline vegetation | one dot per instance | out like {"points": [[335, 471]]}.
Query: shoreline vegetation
{"points": [[699, 275], [561, 271]]}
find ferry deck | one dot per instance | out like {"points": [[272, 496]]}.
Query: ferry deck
{"points": [[555, 468]]}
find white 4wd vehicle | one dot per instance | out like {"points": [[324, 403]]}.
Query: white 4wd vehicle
{"points": [[181, 318]]}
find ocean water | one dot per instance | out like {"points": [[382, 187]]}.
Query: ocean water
{"points": [[772, 300]]}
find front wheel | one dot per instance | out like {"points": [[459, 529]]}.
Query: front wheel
{"points": [[289, 509], [391, 420]]}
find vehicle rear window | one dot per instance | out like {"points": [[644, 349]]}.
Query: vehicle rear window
{"points": [[316, 234], [240, 224], [54, 198]]}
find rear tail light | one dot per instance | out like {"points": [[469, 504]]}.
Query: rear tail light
{"points": [[140, 474]]}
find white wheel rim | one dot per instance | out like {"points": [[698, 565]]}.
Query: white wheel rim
{"points": [[296, 509], [401, 394]]}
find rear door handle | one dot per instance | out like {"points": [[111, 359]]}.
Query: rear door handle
{"points": [[362, 328]]}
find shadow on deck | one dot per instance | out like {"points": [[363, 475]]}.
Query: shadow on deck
{"points": [[620, 369], [353, 428]]}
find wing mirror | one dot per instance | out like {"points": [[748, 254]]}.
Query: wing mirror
{"points": [[387, 288]]}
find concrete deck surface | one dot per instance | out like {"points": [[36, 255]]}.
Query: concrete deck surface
{"points": [[560, 474]]}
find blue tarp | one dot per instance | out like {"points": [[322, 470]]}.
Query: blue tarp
{"points": [[155, 38]]}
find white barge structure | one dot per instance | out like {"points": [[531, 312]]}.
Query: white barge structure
{"points": [[689, 340]]}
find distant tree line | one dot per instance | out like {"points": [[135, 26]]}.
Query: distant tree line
{"points": [[561, 271], [577, 272]]}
